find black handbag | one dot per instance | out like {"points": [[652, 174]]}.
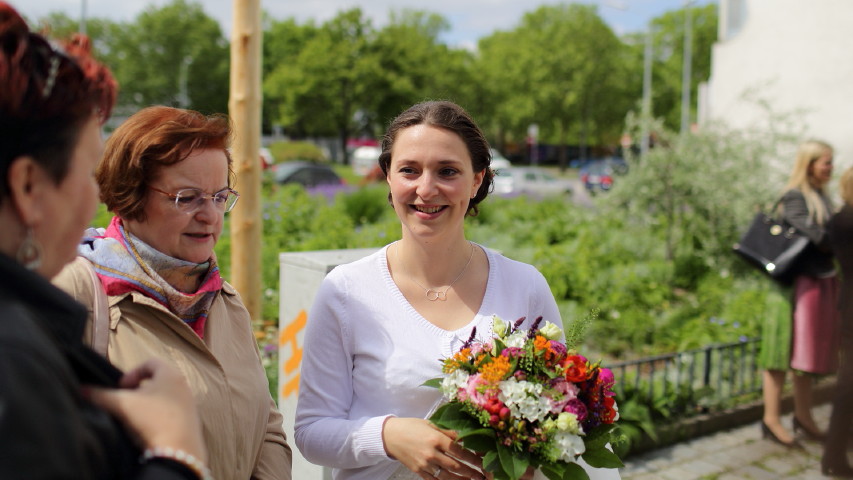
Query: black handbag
{"points": [[773, 247]]}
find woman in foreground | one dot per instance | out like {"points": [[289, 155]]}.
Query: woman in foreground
{"points": [[55, 393], [379, 326]]}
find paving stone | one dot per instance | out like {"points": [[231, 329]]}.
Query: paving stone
{"points": [[701, 467], [677, 473], [737, 454], [753, 472], [733, 457], [779, 465], [643, 476]]}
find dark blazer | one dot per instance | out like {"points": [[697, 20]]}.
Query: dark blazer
{"points": [[816, 260], [48, 430], [841, 239]]}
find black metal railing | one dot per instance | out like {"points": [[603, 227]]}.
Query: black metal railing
{"points": [[704, 377]]}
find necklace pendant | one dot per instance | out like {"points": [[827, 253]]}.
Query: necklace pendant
{"points": [[433, 295]]}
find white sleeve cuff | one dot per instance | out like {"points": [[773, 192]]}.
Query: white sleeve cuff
{"points": [[368, 438]]}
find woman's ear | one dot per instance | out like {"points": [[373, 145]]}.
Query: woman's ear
{"points": [[478, 181], [27, 182]]}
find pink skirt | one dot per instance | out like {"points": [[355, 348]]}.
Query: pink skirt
{"points": [[816, 325]]}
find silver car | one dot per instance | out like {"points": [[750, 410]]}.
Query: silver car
{"points": [[530, 181]]}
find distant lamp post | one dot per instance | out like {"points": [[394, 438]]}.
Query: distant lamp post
{"points": [[647, 94], [685, 70], [183, 80], [82, 26]]}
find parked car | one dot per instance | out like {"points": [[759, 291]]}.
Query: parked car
{"points": [[306, 174], [618, 164], [531, 181], [597, 176]]}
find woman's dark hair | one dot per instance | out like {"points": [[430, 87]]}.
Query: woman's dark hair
{"points": [[449, 116], [150, 139], [47, 94]]}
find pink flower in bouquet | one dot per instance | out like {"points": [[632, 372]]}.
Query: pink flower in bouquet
{"points": [[606, 380], [566, 390], [512, 352], [475, 391], [576, 407]]}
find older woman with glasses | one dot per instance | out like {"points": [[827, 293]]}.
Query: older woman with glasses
{"points": [[166, 175]]}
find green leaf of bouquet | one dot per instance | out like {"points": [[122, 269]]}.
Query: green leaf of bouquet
{"points": [[491, 463], [602, 457], [574, 472], [479, 440], [433, 382], [553, 471], [452, 417], [599, 436], [513, 465]]}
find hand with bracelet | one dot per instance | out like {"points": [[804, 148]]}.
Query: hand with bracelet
{"points": [[156, 404]]}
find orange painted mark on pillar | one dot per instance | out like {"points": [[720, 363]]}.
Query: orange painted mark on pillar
{"points": [[291, 387], [290, 366]]}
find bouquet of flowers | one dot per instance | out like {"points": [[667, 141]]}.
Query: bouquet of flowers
{"points": [[523, 400]]}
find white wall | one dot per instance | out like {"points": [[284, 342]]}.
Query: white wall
{"points": [[798, 55]]}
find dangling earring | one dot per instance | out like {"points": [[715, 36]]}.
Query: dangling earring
{"points": [[29, 253]]}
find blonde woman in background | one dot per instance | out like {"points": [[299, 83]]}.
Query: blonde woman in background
{"points": [[813, 335]]}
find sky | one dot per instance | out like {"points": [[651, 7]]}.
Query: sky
{"points": [[469, 19]]}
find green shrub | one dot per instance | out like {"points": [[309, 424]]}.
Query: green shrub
{"points": [[289, 151]]}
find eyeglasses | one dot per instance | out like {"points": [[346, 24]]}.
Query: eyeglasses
{"points": [[189, 200]]}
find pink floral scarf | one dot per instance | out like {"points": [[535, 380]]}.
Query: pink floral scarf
{"points": [[124, 263]]}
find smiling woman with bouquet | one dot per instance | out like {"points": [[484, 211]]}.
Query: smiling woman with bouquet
{"points": [[380, 325]]}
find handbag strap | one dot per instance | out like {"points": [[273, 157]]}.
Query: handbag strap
{"points": [[100, 314]]}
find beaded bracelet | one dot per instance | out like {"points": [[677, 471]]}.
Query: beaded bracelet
{"points": [[197, 466]]}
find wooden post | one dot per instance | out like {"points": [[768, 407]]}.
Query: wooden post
{"points": [[244, 107]]}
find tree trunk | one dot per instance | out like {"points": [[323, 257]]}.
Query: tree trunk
{"points": [[244, 106], [343, 126]]}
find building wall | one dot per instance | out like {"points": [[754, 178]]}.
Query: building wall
{"points": [[795, 54]]}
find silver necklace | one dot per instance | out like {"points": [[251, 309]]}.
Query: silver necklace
{"points": [[433, 295]]}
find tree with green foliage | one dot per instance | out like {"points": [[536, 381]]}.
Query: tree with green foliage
{"points": [[174, 55], [320, 92], [563, 69], [102, 32], [414, 65], [283, 42]]}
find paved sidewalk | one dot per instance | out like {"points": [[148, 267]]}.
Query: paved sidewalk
{"points": [[736, 454]]}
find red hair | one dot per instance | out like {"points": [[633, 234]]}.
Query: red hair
{"points": [[150, 139], [49, 92]]}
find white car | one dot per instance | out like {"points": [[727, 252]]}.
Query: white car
{"points": [[364, 159], [531, 181], [498, 160]]}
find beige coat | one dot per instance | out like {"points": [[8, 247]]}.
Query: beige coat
{"points": [[241, 424]]}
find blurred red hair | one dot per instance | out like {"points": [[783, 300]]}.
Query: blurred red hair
{"points": [[48, 93]]}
